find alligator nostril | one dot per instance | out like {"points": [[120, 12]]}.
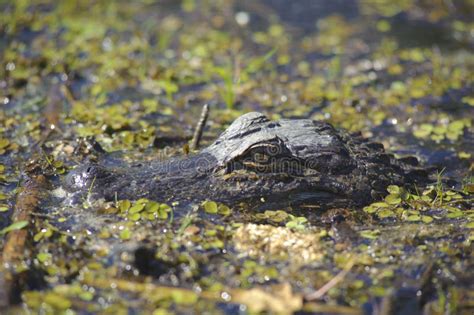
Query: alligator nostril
{"points": [[338, 218]]}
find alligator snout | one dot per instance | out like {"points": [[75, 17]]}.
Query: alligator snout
{"points": [[85, 176]]}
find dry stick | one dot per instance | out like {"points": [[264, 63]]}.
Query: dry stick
{"points": [[27, 202], [318, 294], [199, 127]]}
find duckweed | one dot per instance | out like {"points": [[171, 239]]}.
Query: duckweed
{"points": [[297, 223], [125, 234], [134, 75], [452, 131], [407, 206], [277, 216], [212, 207], [142, 209]]}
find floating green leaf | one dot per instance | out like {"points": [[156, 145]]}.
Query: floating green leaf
{"points": [[423, 131], [454, 215], [134, 216], [370, 234], [4, 143], [14, 226], [276, 216], [223, 210], [426, 219], [393, 189], [393, 199], [152, 207], [385, 213], [136, 208], [413, 218], [210, 207], [57, 301], [43, 257], [125, 234], [124, 205]]}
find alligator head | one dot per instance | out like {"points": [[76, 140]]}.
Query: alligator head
{"points": [[287, 161]]}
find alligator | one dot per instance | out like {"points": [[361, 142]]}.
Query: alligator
{"points": [[288, 161]]}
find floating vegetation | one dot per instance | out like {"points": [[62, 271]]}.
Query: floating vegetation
{"points": [[141, 209], [278, 243], [452, 131], [399, 203], [4, 144], [212, 207], [280, 216], [134, 76]]}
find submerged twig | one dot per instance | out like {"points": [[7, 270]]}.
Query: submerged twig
{"points": [[199, 128], [143, 288], [13, 251], [318, 294]]}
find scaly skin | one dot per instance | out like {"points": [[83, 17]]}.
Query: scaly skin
{"points": [[291, 162]]}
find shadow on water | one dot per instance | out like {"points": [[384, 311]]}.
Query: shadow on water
{"points": [[304, 14]]}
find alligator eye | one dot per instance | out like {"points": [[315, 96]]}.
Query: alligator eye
{"points": [[260, 157], [262, 154], [265, 158], [257, 160]]}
